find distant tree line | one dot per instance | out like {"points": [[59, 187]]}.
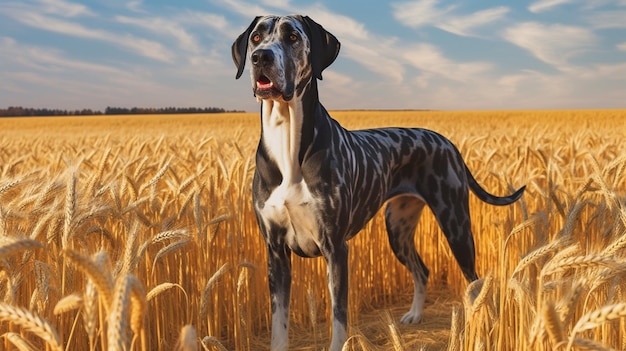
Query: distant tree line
{"points": [[18, 111]]}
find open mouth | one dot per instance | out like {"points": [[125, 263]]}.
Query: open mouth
{"points": [[264, 83], [265, 88]]}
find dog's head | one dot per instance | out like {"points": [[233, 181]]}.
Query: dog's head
{"points": [[286, 53]]}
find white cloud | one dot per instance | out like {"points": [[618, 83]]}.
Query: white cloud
{"points": [[554, 44], [246, 9], [166, 27], [608, 19], [47, 59], [622, 46], [48, 77], [545, 5], [135, 6], [427, 58], [375, 59], [423, 13], [463, 25], [143, 47], [64, 8]]}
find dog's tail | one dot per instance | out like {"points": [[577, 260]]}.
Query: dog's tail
{"points": [[489, 198]]}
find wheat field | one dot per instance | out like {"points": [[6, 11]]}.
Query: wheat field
{"points": [[137, 233]]}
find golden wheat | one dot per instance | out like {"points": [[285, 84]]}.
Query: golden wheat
{"points": [[93, 215], [32, 323]]}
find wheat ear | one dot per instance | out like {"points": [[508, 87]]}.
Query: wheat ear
{"points": [[18, 244], [538, 254], [117, 321], [18, 341], [29, 321], [599, 316], [210, 340], [70, 210], [586, 344], [68, 303], [577, 262], [553, 323], [596, 318], [187, 340], [93, 270]]}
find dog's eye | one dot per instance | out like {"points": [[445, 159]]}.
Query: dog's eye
{"points": [[256, 38], [293, 37]]}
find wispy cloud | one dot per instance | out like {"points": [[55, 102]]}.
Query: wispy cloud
{"points": [[607, 19], [417, 14], [67, 80], [554, 44], [30, 16], [165, 27], [246, 9], [428, 58], [464, 25], [47, 59], [622, 46], [546, 5], [423, 13], [64, 8]]}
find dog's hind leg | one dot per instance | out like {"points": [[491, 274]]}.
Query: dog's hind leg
{"points": [[452, 213], [401, 216]]}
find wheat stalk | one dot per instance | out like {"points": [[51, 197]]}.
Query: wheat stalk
{"points": [[209, 340], [553, 324], [157, 290], [12, 245], [616, 246], [577, 262], [481, 297], [396, 337], [29, 321], [101, 281], [207, 289], [70, 209], [177, 245], [18, 341], [138, 304], [90, 312], [68, 303], [586, 344], [538, 254], [187, 340], [599, 316], [10, 185], [596, 318], [127, 289]]}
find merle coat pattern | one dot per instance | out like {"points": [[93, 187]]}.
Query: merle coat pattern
{"points": [[317, 184]]}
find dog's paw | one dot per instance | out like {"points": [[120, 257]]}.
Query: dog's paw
{"points": [[411, 318]]}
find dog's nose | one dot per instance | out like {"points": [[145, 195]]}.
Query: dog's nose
{"points": [[262, 57]]}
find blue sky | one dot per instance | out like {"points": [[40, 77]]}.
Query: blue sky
{"points": [[425, 54]]}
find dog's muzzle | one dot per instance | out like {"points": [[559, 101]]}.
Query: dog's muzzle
{"points": [[265, 79]]}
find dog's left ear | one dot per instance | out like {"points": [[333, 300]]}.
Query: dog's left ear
{"points": [[324, 47], [240, 48]]}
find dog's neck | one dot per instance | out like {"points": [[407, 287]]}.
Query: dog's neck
{"points": [[288, 129]]}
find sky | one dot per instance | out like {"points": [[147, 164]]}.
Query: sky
{"points": [[424, 54]]}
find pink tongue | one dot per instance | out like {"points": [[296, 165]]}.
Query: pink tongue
{"points": [[264, 83]]}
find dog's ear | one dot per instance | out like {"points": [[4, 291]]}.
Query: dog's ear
{"points": [[240, 48], [324, 47]]}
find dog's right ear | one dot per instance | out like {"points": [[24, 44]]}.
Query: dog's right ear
{"points": [[240, 47]]}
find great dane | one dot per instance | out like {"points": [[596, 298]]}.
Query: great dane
{"points": [[317, 184]]}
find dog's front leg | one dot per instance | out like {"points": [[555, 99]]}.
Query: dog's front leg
{"points": [[279, 277], [337, 274]]}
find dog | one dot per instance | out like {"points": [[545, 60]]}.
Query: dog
{"points": [[317, 184]]}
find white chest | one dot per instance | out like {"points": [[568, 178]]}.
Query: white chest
{"points": [[291, 204]]}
